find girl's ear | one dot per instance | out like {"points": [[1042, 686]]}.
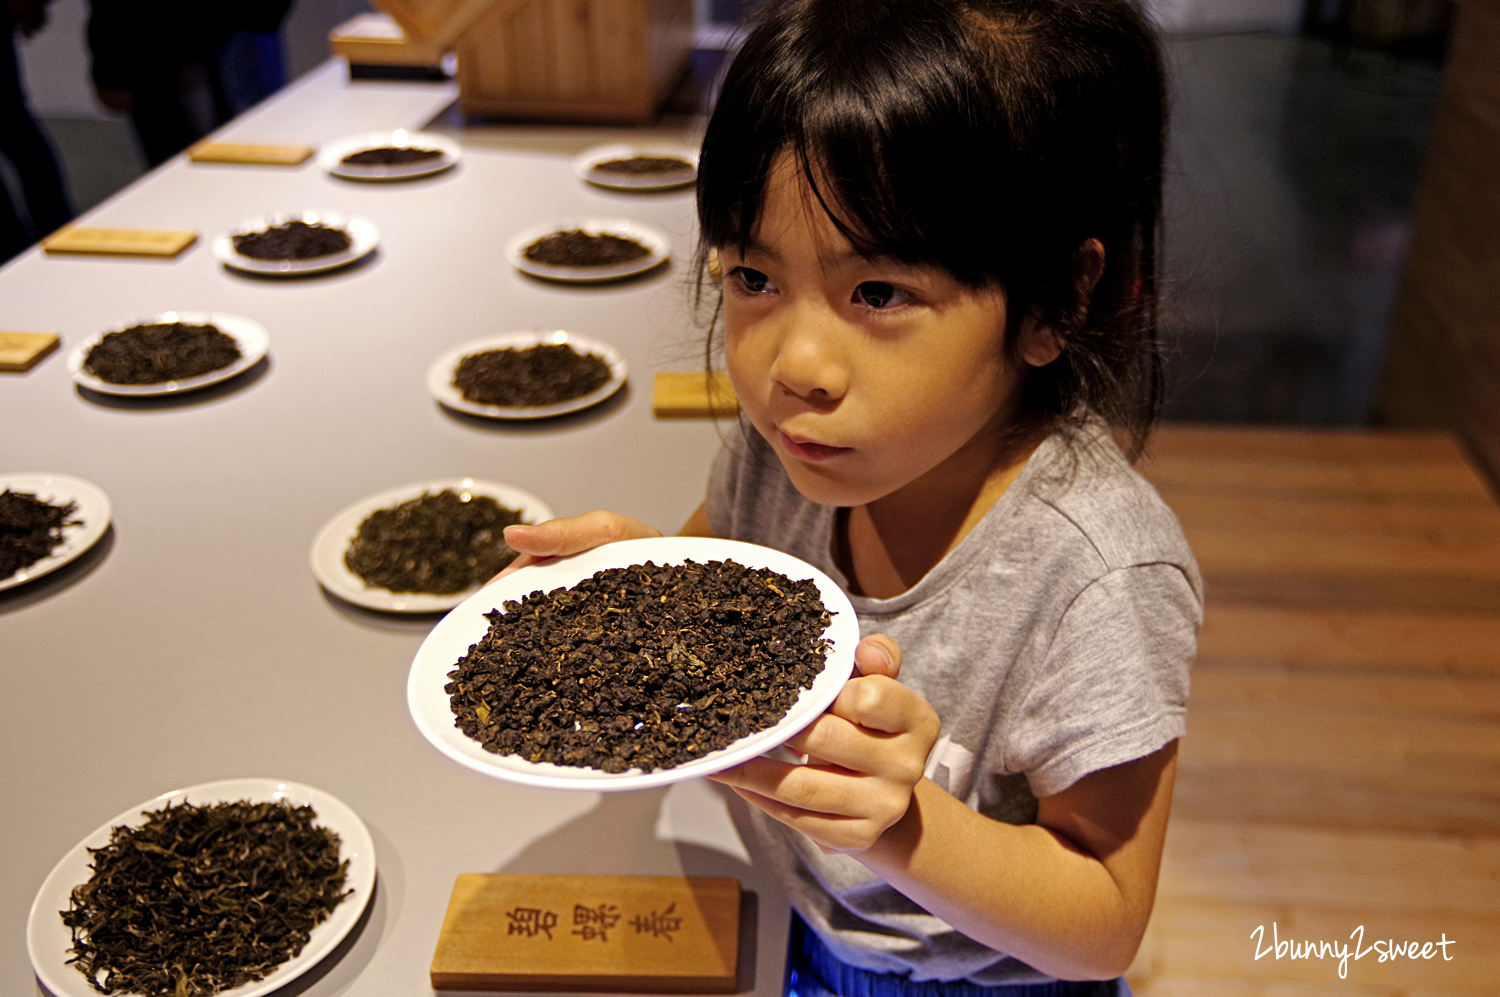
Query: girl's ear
{"points": [[1090, 268], [1039, 345]]}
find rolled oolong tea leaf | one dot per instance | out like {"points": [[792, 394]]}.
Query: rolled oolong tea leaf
{"points": [[646, 167], [641, 667], [536, 375], [440, 543], [294, 240], [202, 899], [31, 528], [161, 351], [396, 155], [577, 248]]}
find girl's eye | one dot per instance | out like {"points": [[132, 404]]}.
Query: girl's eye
{"points": [[879, 294], [752, 280]]}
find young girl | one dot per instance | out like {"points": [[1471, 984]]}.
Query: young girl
{"points": [[934, 223]]}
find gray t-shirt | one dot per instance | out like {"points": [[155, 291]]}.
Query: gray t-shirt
{"points": [[1054, 641]]}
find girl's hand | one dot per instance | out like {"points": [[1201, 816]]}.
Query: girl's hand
{"points": [[571, 535], [865, 757]]}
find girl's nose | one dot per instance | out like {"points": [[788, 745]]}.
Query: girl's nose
{"points": [[808, 362]]}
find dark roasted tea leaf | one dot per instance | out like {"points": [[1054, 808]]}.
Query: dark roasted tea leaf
{"points": [[577, 248], [536, 375], [642, 667], [198, 900], [439, 543], [391, 155], [294, 240], [30, 529], [160, 351], [645, 166]]}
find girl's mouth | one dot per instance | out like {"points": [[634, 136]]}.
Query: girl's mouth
{"points": [[808, 450]]}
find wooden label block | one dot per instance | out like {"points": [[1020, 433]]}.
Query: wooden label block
{"points": [[633, 934], [246, 152], [21, 351], [119, 241], [693, 394]]}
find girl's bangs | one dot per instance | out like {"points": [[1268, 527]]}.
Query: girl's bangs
{"points": [[888, 158]]}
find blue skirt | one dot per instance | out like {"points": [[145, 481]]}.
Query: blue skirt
{"points": [[814, 971]]}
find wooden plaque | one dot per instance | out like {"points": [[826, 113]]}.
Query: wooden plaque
{"points": [[119, 241], [692, 394], [21, 351], [246, 152], [631, 934]]}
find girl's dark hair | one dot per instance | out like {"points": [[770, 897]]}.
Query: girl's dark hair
{"points": [[990, 138]]}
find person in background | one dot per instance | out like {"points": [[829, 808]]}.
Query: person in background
{"points": [[171, 65], [24, 144]]}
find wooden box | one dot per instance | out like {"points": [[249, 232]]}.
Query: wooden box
{"points": [[588, 61], [381, 40]]}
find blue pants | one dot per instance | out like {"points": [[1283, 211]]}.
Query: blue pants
{"points": [[813, 971]]}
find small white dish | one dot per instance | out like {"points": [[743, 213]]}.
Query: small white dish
{"points": [[332, 156], [587, 167], [48, 939], [363, 238], [450, 640], [440, 375], [93, 512], [250, 336], [657, 246], [334, 538]]}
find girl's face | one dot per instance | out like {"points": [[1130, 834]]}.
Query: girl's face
{"points": [[866, 376]]}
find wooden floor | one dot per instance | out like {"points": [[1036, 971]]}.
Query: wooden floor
{"points": [[1342, 762]]}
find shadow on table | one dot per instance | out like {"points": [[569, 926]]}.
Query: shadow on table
{"points": [[198, 396], [552, 425], [30, 593], [375, 619]]}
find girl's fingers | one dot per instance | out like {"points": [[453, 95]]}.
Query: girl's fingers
{"points": [[833, 742], [571, 535], [839, 810], [877, 655], [879, 703], [575, 534]]}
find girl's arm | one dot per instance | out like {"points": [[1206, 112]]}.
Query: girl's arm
{"points": [[1069, 895]]}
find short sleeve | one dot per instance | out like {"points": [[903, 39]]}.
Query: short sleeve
{"points": [[1113, 684]]}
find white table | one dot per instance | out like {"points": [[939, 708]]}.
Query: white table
{"points": [[195, 645]]}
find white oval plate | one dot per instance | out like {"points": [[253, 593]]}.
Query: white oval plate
{"points": [[440, 375], [654, 241], [48, 939], [332, 156], [450, 640], [363, 239], [586, 167], [93, 510], [336, 535], [251, 337]]}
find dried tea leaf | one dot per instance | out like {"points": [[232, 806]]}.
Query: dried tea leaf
{"points": [[30, 529], [201, 899], [294, 240], [391, 155], [641, 667], [160, 351], [440, 543], [577, 248], [544, 374]]}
